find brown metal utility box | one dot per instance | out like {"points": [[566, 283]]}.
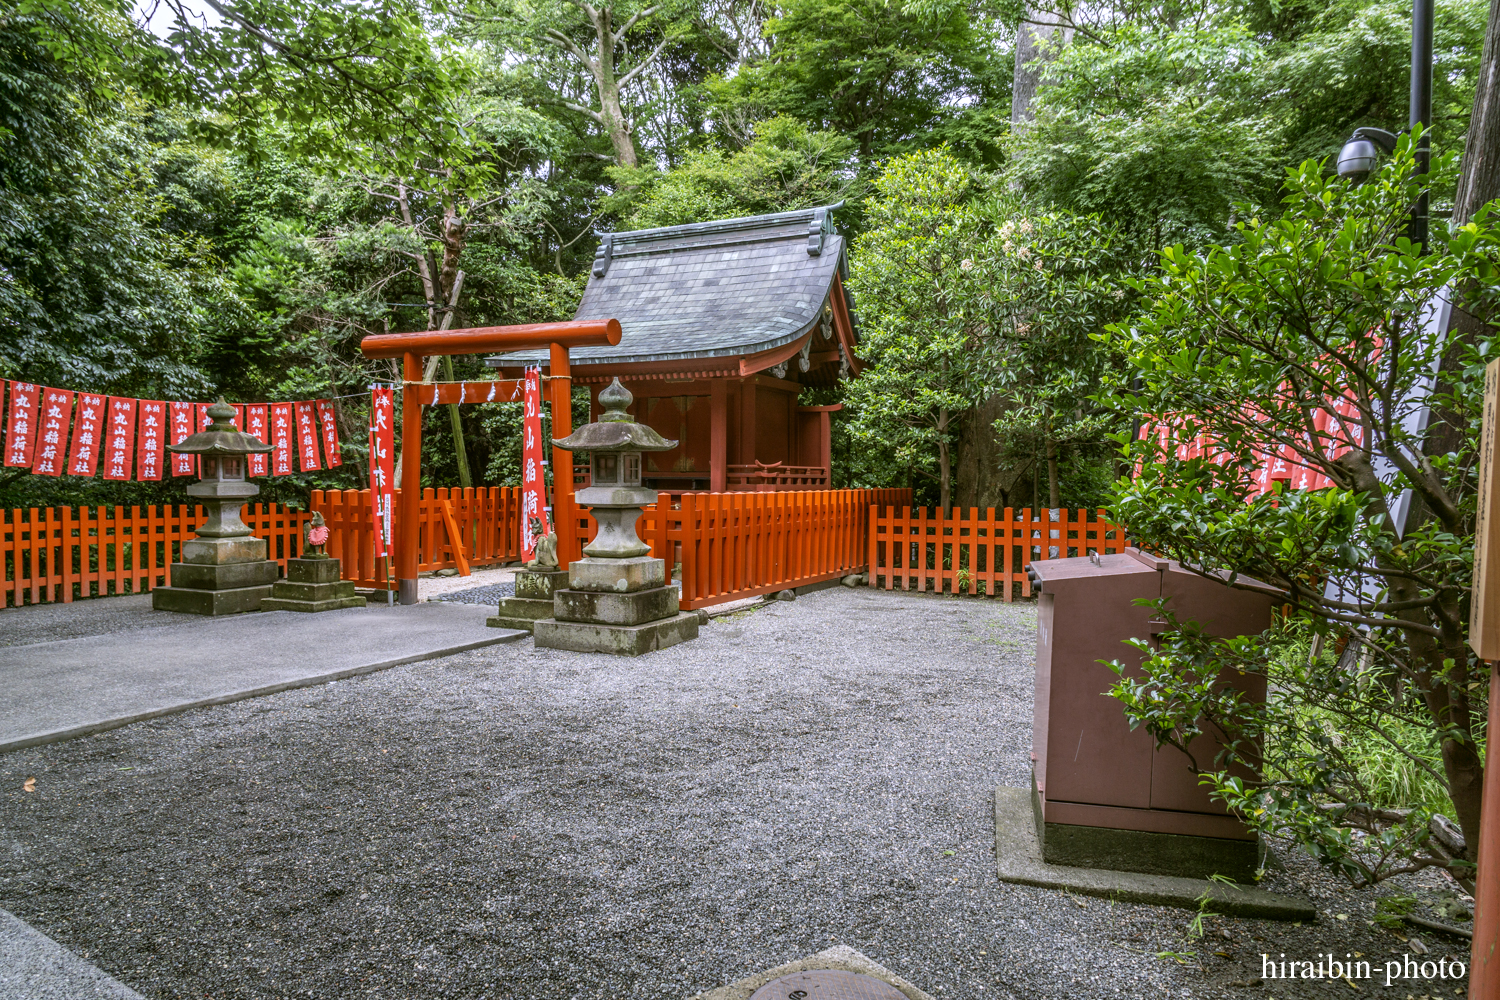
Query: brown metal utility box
{"points": [[1107, 797]]}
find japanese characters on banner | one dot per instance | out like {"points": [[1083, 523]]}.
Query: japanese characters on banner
{"points": [[88, 431], [382, 462], [20, 424], [533, 481], [182, 427], [46, 432], [52, 445], [307, 437], [281, 439], [333, 453], [255, 426], [151, 419], [120, 440]]}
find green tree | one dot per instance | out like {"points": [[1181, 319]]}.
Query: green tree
{"points": [[1305, 340]]}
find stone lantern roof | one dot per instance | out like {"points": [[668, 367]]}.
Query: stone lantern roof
{"points": [[221, 437]]}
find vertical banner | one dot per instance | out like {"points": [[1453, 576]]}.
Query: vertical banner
{"points": [[281, 439], [52, 445], [255, 426], [533, 485], [307, 436], [182, 427], [150, 436], [20, 428], [333, 453], [382, 461], [119, 443], [88, 432]]}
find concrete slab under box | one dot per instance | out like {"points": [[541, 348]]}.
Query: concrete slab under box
{"points": [[1149, 853], [1018, 859], [839, 958], [625, 640], [209, 602], [634, 608]]}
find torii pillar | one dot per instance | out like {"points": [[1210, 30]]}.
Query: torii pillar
{"points": [[411, 348]]}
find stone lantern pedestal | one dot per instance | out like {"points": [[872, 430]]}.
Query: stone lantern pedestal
{"points": [[224, 571], [617, 599]]}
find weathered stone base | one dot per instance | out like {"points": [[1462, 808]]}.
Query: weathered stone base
{"points": [[312, 585], [1149, 853], [520, 612], [209, 602], [617, 576], [225, 576], [635, 608], [540, 584], [626, 640]]}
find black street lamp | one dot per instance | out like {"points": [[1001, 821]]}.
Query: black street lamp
{"points": [[1359, 154]]}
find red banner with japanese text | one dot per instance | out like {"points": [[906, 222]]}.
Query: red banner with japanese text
{"points": [[182, 428], [52, 444], [255, 426], [119, 442], [307, 437], [20, 427], [333, 453], [382, 461], [151, 440], [533, 481], [281, 439], [88, 432]]}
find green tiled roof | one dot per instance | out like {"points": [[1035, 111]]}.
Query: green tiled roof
{"points": [[709, 289]]}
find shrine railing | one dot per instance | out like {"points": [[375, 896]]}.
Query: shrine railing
{"points": [[63, 554], [486, 521], [734, 545], [760, 476], [978, 552]]}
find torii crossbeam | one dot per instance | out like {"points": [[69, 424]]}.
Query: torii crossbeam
{"points": [[411, 348]]}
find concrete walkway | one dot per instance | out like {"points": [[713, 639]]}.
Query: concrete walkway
{"points": [[34, 966], [70, 687]]}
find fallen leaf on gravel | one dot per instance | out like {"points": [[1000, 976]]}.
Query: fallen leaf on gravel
{"points": [[1248, 982], [1417, 946], [29, 786]]}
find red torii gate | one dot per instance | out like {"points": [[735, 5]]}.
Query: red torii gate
{"points": [[411, 348]]}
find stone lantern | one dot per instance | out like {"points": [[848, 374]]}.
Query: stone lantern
{"points": [[224, 570], [617, 599]]}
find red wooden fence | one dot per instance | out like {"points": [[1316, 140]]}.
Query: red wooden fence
{"points": [[63, 554], [487, 518], [973, 553], [734, 545]]}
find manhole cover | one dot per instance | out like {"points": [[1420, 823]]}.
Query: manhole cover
{"points": [[827, 984]]}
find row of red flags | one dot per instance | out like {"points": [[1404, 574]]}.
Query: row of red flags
{"points": [[1338, 426], [56, 432]]}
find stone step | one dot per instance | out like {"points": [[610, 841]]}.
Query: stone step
{"points": [[529, 608], [291, 590], [504, 621], [286, 604]]}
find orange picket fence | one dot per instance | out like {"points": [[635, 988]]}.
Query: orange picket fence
{"points": [[741, 544], [973, 553], [485, 522], [64, 554]]}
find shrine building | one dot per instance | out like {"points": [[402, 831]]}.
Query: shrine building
{"points": [[723, 325]]}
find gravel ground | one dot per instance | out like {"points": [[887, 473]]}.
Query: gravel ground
{"points": [[517, 823], [488, 594]]}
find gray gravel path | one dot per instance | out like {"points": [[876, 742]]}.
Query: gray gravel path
{"points": [[520, 823], [488, 594]]}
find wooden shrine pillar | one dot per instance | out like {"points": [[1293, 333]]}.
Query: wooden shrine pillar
{"points": [[747, 421], [564, 516], [718, 436], [409, 515]]}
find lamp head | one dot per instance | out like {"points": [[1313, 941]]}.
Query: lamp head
{"points": [[1361, 154]]}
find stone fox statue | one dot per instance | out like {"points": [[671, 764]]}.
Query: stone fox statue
{"points": [[546, 548]]}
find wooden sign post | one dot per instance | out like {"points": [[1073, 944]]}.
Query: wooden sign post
{"points": [[1484, 639]]}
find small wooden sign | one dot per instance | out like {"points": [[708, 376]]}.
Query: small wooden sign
{"points": [[1484, 605]]}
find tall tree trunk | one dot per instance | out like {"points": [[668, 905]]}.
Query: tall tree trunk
{"points": [[944, 463], [1054, 498], [1033, 42], [1480, 181]]}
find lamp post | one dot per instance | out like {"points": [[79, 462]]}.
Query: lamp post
{"points": [[1358, 157]]}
